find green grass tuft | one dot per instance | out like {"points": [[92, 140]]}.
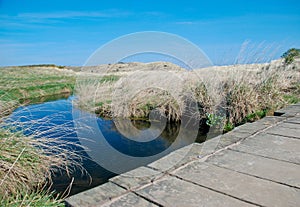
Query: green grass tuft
{"points": [[34, 199]]}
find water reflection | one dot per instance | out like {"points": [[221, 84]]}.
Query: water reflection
{"points": [[107, 147]]}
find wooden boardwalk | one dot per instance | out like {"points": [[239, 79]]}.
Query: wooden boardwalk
{"points": [[257, 164]]}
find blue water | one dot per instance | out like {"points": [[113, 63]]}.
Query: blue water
{"points": [[107, 148]]}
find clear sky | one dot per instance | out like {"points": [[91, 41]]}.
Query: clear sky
{"points": [[68, 32]]}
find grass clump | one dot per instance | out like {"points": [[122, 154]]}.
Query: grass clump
{"points": [[291, 98], [28, 162], [243, 93], [256, 115], [290, 55], [109, 78], [129, 96], [37, 199]]}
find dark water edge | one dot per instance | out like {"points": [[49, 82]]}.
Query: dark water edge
{"points": [[46, 98], [60, 110], [6, 111]]}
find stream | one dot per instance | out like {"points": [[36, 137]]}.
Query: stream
{"points": [[108, 147]]}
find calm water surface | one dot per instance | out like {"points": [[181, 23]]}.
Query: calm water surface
{"points": [[105, 142]]}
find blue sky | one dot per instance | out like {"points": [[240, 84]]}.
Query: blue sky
{"points": [[68, 32]]}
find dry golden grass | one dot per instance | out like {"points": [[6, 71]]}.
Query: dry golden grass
{"points": [[27, 162], [237, 91], [244, 89]]}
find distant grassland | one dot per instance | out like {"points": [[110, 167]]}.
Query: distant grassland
{"points": [[24, 83]]}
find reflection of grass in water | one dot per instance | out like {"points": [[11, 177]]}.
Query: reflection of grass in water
{"points": [[169, 133], [44, 99], [189, 133], [141, 124]]}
